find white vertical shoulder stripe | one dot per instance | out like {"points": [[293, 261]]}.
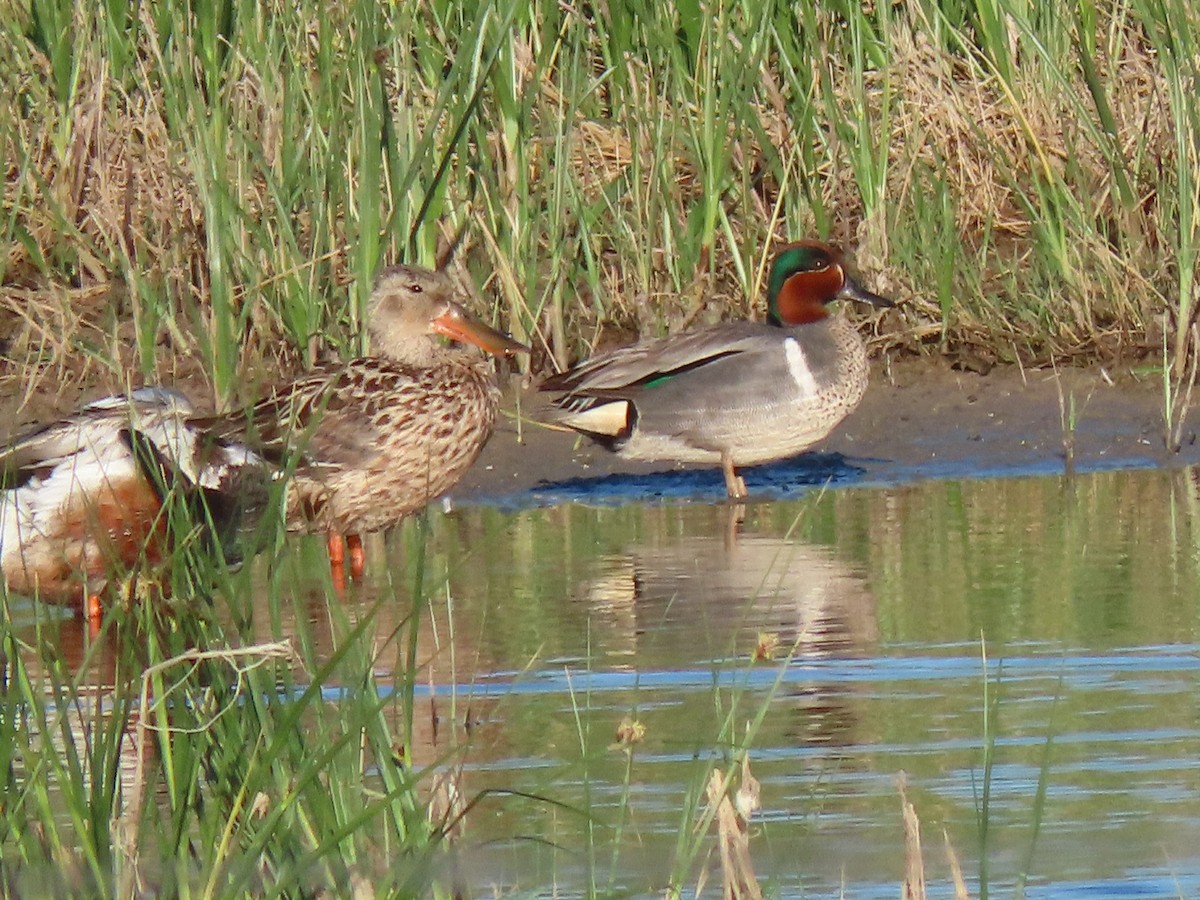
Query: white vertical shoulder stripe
{"points": [[798, 366]]}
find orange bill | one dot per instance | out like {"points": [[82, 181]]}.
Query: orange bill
{"points": [[459, 325]]}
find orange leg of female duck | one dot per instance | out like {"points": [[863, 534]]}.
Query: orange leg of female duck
{"points": [[358, 556], [337, 561], [338, 550], [93, 612]]}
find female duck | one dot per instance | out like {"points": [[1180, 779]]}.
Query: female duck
{"points": [[375, 439], [737, 393]]}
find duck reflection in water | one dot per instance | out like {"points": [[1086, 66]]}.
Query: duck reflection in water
{"points": [[675, 601]]}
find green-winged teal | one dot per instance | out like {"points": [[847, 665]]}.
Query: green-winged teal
{"points": [[737, 393]]}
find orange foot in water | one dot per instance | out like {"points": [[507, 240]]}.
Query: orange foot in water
{"points": [[338, 548]]}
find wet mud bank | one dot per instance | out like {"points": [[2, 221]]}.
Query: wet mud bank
{"points": [[918, 420]]}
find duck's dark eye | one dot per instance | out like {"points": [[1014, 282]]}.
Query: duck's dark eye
{"points": [[819, 264], [416, 288]]}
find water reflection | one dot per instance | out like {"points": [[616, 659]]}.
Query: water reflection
{"points": [[742, 596], [714, 596]]}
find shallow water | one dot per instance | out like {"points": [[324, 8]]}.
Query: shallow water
{"points": [[1069, 609], [1052, 622]]}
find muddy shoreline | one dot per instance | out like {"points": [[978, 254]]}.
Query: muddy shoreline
{"points": [[919, 419]]}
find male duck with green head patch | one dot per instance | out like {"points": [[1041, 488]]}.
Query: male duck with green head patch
{"points": [[738, 393]]}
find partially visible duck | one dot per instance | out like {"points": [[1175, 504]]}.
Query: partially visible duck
{"points": [[82, 499], [375, 439], [737, 393]]}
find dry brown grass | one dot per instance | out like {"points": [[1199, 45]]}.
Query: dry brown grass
{"points": [[732, 818], [913, 887], [993, 141], [118, 203]]}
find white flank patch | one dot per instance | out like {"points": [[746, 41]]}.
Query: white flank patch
{"points": [[35, 509], [88, 453], [797, 362], [10, 523]]}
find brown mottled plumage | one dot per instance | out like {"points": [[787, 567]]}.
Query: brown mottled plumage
{"points": [[378, 437]]}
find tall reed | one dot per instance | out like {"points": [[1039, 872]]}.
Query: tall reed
{"points": [[234, 173]]}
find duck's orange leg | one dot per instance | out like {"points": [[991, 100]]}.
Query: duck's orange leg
{"points": [[337, 550], [337, 561], [93, 613], [358, 556], [337, 574]]}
